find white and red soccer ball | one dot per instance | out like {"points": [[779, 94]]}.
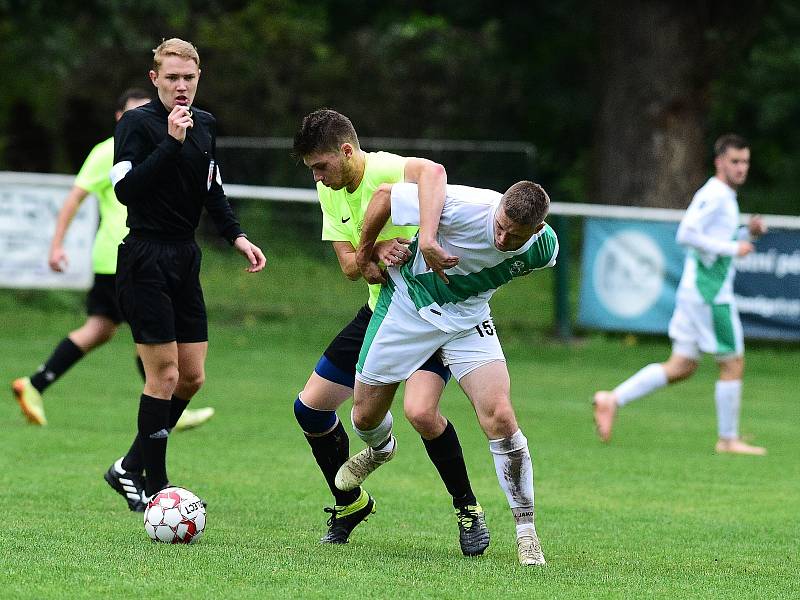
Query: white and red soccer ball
{"points": [[175, 516]]}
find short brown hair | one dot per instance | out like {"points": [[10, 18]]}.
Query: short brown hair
{"points": [[729, 140], [324, 130], [174, 47], [526, 203]]}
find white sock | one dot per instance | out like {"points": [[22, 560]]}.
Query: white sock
{"points": [[375, 437], [512, 463], [646, 380], [728, 396]]}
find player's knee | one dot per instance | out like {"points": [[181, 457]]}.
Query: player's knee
{"points": [[364, 421], [423, 419], [192, 382], [500, 420], [105, 335], [679, 367], [681, 370], [732, 369], [163, 380], [312, 420]]}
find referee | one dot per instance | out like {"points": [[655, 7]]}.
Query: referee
{"points": [[165, 173]]}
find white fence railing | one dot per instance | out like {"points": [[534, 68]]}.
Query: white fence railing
{"points": [[309, 196]]}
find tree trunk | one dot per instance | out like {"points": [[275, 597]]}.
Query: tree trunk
{"points": [[658, 59]]}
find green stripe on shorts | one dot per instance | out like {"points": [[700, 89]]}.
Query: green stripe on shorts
{"points": [[378, 315], [723, 328]]}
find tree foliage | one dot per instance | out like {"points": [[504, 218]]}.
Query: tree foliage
{"points": [[530, 71]]}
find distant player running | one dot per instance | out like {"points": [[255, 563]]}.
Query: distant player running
{"points": [[346, 178], [705, 317], [103, 314], [488, 239]]}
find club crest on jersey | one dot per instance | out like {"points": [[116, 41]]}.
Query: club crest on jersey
{"points": [[518, 269]]}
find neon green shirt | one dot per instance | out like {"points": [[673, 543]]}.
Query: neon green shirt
{"points": [[93, 177], [343, 212]]}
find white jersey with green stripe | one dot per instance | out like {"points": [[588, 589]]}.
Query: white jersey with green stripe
{"points": [[710, 231], [466, 230]]}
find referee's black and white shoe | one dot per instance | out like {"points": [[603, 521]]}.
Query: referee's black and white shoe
{"points": [[128, 484]]}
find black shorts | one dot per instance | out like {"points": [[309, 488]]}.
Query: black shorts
{"points": [[338, 362], [101, 301], [159, 293]]}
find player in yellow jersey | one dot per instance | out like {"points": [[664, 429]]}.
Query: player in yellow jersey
{"points": [[346, 177], [104, 315]]}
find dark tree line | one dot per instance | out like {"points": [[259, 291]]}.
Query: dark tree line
{"points": [[621, 98]]}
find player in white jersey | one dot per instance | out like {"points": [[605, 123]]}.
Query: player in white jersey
{"points": [[487, 239], [705, 317], [346, 178]]}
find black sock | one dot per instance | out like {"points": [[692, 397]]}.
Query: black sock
{"points": [[153, 433], [176, 408], [134, 460], [445, 454], [331, 451], [64, 356]]}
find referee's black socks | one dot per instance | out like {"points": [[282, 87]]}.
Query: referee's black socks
{"points": [[154, 418], [134, 460]]}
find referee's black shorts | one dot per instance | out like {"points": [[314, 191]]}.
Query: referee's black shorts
{"points": [[159, 293], [101, 301]]}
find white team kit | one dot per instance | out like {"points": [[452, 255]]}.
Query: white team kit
{"points": [[705, 317], [418, 314]]}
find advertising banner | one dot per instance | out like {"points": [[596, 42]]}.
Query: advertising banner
{"points": [[631, 270], [28, 212]]}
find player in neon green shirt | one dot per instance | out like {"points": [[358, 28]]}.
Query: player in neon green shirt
{"points": [[346, 178], [103, 313]]}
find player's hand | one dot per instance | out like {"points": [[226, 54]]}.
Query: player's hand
{"points": [[756, 226], [745, 248], [178, 121], [252, 253], [58, 260], [373, 273], [392, 253], [368, 267], [436, 259]]}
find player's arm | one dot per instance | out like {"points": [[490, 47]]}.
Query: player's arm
{"points": [[347, 260], [692, 232], [132, 180], [756, 227], [375, 218], [389, 252], [58, 259], [431, 180]]}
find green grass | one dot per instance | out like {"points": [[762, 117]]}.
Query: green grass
{"points": [[653, 514]]}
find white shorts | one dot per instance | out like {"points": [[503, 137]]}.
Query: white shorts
{"points": [[398, 341], [711, 328]]}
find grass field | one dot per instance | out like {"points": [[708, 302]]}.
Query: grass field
{"points": [[655, 514]]}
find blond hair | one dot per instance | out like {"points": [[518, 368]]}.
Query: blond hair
{"points": [[174, 47]]}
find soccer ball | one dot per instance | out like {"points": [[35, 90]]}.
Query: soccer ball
{"points": [[175, 516]]}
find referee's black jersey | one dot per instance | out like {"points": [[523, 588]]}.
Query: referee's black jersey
{"points": [[164, 183]]}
